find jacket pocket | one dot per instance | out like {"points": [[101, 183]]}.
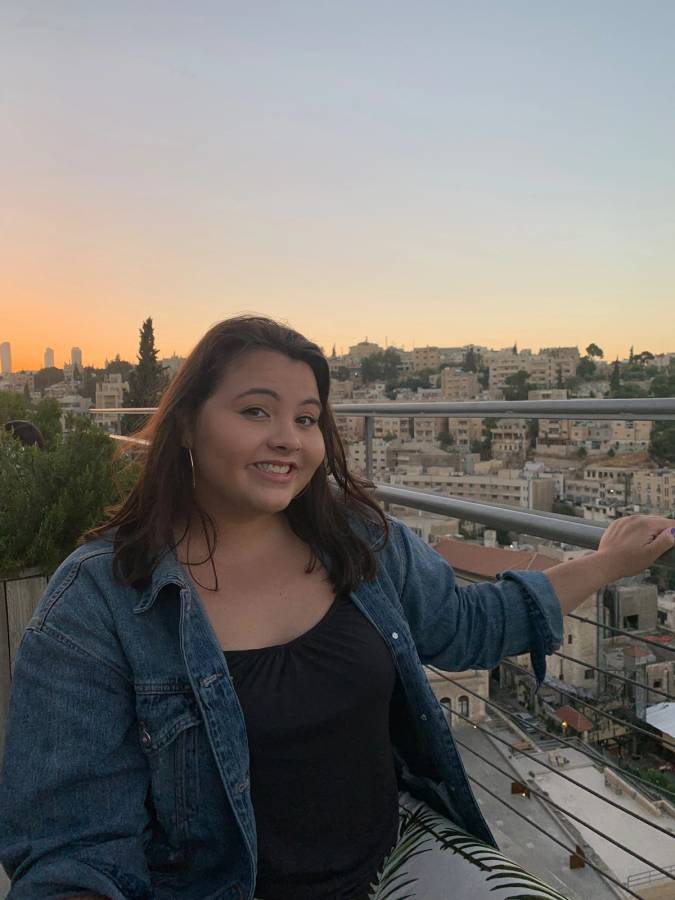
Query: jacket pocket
{"points": [[168, 725]]}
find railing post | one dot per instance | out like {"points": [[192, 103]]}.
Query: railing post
{"points": [[369, 428]]}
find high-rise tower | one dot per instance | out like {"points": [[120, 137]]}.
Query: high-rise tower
{"points": [[49, 358], [76, 358], [5, 358]]}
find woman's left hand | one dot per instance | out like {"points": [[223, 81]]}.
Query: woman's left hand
{"points": [[633, 543]]}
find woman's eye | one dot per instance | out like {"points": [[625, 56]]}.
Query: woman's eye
{"points": [[307, 420], [254, 412]]}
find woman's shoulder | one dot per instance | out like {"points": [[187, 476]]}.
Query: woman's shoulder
{"points": [[84, 583]]}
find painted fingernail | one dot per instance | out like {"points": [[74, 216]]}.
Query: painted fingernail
{"points": [[672, 531]]}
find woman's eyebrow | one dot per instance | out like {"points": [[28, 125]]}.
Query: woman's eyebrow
{"points": [[271, 393]]}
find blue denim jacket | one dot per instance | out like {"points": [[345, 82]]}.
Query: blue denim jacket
{"points": [[126, 759]]}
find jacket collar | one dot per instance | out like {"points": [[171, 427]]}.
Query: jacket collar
{"points": [[167, 571]]}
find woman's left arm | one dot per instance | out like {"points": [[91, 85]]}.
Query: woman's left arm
{"points": [[627, 547]]}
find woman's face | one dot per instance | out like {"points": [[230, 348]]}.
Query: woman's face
{"points": [[256, 442]]}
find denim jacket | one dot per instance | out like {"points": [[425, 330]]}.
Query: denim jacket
{"points": [[126, 759]]}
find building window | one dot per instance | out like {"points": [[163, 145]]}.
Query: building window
{"points": [[569, 638], [464, 706], [657, 684], [588, 674], [630, 621]]}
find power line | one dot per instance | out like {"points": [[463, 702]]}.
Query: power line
{"points": [[555, 839], [633, 637], [566, 777], [585, 751], [611, 674], [585, 703], [572, 815]]}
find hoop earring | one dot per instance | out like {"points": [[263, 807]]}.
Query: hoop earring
{"points": [[192, 467]]}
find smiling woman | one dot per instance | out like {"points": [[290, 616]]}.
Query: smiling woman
{"points": [[222, 693]]}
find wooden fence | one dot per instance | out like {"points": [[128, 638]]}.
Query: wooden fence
{"points": [[19, 596]]}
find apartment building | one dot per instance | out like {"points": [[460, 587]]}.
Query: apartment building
{"points": [[401, 427], [600, 485], [356, 457], [654, 491], [545, 369], [510, 440], [358, 352], [457, 385], [427, 429], [426, 358], [548, 394], [350, 428], [563, 437], [17, 382], [465, 431], [341, 390], [109, 395], [508, 487]]}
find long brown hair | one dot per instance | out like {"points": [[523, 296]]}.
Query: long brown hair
{"points": [[325, 516]]}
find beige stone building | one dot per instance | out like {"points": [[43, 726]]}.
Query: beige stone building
{"points": [[465, 431], [351, 428], [426, 358], [358, 352], [401, 427], [654, 491], [457, 385], [428, 428], [458, 699], [110, 395], [356, 457], [510, 440], [508, 487], [545, 369]]}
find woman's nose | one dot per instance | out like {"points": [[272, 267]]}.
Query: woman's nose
{"points": [[285, 437]]}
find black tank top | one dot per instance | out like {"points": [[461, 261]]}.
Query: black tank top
{"points": [[323, 783]]}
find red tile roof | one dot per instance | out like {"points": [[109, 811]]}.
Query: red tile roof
{"points": [[475, 559], [574, 718]]}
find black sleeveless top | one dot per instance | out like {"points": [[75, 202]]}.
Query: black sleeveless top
{"points": [[323, 783]]}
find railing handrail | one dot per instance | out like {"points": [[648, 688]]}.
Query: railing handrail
{"points": [[647, 409], [567, 529]]}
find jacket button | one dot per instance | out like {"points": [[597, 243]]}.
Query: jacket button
{"points": [[394, 634], [423, 717], [146, 740]]}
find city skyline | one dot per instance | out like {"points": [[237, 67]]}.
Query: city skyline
{"points": [[340, 351], [485, 172]]}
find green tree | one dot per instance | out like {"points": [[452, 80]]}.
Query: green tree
{"points": [[47, 377], [51, 496], [484, 447], [147, 380], [586, 368], [615, 379], [47, 417], [593, 351], [663, 384], [380, 366], [90, 378], [12, 406], [121, 367], [445, 439], [517, 385], [470, 362], [342, 373], [662, 443]]}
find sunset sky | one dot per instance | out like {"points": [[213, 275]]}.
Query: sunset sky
{"points": [[421, 173]]}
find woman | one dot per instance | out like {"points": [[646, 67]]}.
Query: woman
{"points": [[244, 636]]}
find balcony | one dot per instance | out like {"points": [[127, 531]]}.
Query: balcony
{"points": [[585, 818]]}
